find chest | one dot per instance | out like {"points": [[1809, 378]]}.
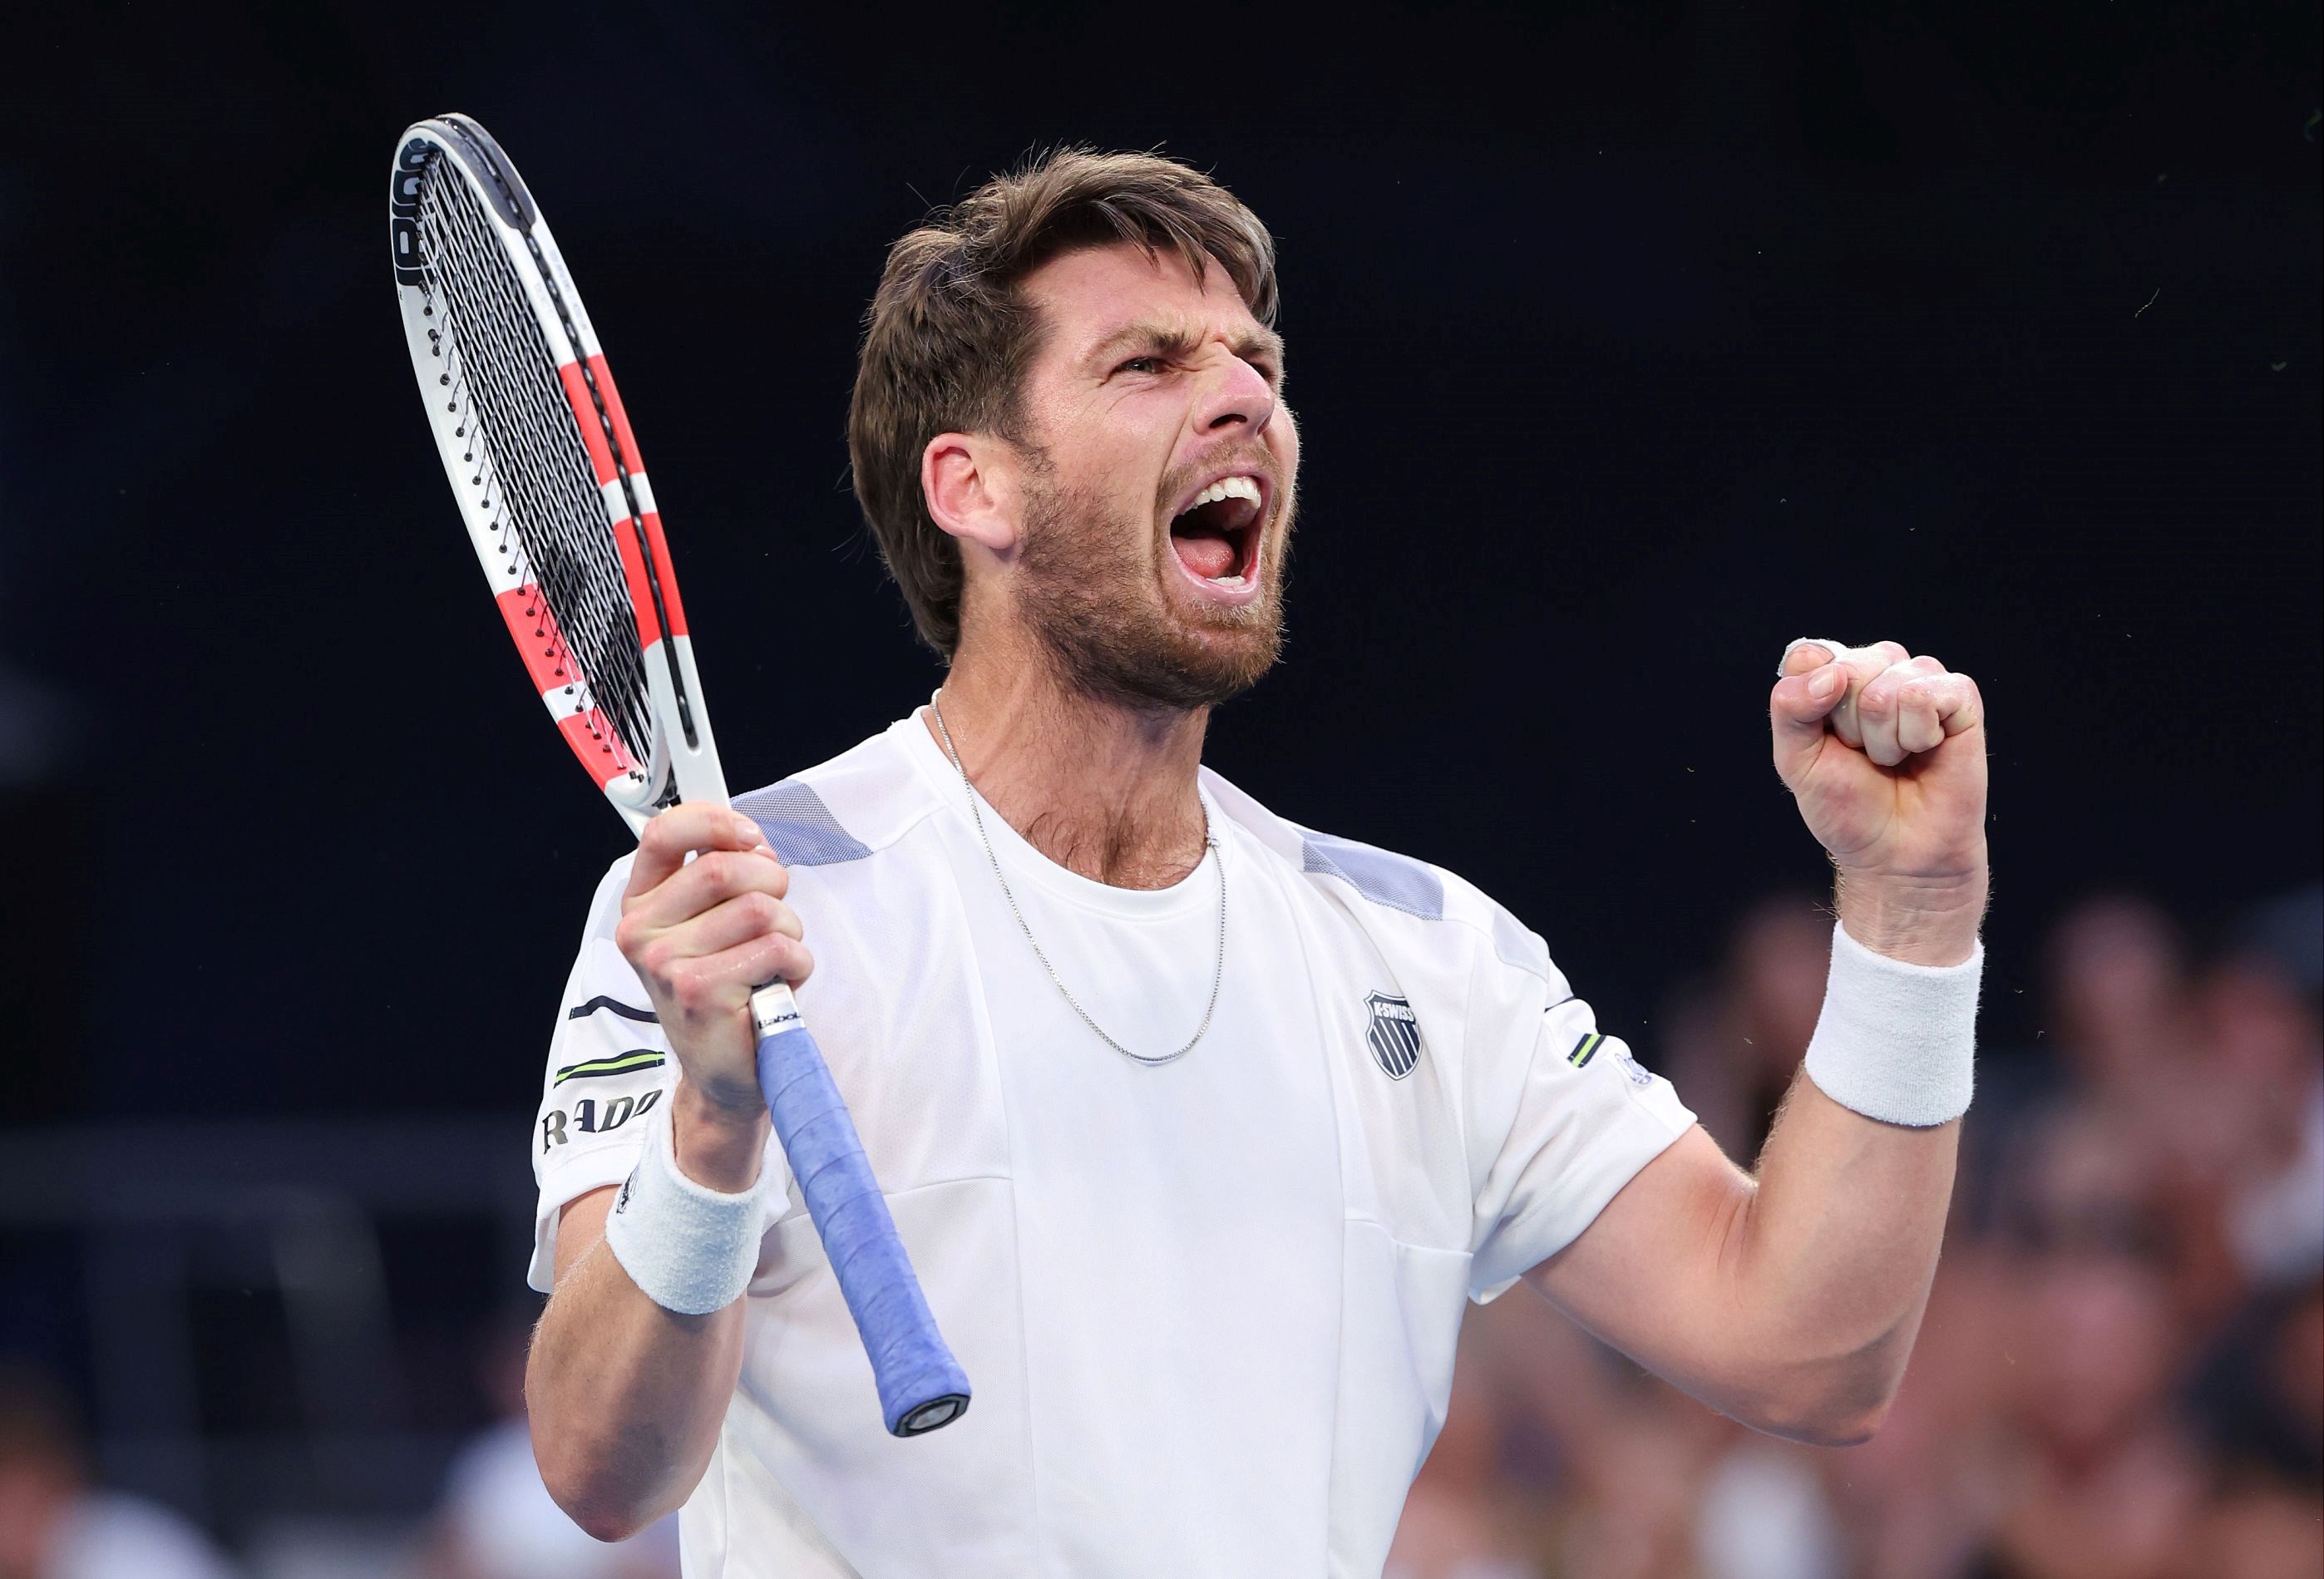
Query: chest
{"points": [[1239, 1126], [1323, 1086]]}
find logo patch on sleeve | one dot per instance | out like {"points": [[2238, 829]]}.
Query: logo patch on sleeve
{"points": [[1393, 1034]]}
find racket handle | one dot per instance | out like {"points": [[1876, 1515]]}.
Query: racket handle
{"points": [[921, 1385]]}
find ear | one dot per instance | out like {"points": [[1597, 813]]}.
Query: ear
{"points": [[970, 483]]}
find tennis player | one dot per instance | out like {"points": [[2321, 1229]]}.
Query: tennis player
{"points": [[1200, 1126]]}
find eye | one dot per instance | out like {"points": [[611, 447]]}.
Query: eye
{"points": [[1143, 364]]}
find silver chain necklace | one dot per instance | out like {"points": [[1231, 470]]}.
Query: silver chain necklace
{"points": [[1210, 848]]}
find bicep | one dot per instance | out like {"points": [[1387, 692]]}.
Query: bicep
{"points": [[1653, 1273]]}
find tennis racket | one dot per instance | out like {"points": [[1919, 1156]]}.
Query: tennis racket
{"points": [[541, 459]]}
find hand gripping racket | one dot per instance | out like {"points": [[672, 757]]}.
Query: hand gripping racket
{"points": [[540, 457]]}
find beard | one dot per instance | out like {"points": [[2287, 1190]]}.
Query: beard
{"points": [[1087, 587]]}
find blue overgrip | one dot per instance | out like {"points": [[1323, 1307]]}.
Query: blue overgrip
{"points": [[921, 1385]]}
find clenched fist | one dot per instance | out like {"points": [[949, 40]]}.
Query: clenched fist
{"points": [[702, 934], [1885, 754]]}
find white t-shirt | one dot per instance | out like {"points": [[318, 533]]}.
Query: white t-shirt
{"points": [[1207, 1309]]}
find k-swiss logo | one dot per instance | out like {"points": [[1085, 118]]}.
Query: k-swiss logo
{"points": [[1394, 1034]]}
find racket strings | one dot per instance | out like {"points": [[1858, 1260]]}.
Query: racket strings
{"points": [[547, 485], [525, 451]]}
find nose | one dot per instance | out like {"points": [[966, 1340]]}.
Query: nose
{"points": [[1234, 396]]}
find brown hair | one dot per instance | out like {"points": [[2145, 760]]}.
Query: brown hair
{"points": [[948, 336]]}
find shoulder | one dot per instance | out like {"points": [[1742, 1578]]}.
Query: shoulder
{"points": [[1398, 899], [858, 803]]}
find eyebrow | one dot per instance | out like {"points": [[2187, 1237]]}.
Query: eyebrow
{"points": [[1178, 339]]}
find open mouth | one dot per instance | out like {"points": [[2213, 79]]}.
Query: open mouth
{"points": [[1216, 534]]}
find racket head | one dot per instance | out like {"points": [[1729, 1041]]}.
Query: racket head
{"points": [[538, 448]]}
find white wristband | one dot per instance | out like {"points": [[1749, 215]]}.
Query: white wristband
{"points": [[1896, 1042], [688, 1248]]}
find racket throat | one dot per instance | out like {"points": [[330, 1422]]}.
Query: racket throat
{"points": [[695, 773], [681, 693]]}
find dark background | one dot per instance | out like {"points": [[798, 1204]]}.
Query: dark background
{"points": [[1628, 345]]}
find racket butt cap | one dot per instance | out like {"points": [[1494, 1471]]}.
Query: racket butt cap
{"points": [[934, 1415]]}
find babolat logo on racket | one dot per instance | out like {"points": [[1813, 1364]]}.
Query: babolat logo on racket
{"points": [[403, 212], [1394, 1034]]}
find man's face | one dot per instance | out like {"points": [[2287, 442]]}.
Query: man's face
{"points": [[1161, 462]]}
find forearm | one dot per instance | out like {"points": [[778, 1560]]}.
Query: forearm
{"points": [[626, 1396], [1830, 1258], [1837, 1245]]}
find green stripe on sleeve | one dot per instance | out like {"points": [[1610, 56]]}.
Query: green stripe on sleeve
{"points": [[1585, 1049], [619, 1064]]}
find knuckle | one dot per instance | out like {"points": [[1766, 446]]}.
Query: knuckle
{"points": [[659, 959], [739, 871], [691, 988], [762, 910], [733, 872], [767, 875]]}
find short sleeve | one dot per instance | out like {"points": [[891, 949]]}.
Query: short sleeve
{"points": [[1585, 1116], [608, 1067]]}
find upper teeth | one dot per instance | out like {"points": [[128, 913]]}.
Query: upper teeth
{"points": [[1226, 488]]}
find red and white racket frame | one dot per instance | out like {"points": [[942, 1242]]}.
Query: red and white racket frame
{"points": [[921, 1384], [685, 756]]}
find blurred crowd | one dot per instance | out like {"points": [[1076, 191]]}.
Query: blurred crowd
{"points": [[2121, 1374], [493, 1519]]}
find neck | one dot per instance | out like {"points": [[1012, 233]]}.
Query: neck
{"points": [[1101, 788]]}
